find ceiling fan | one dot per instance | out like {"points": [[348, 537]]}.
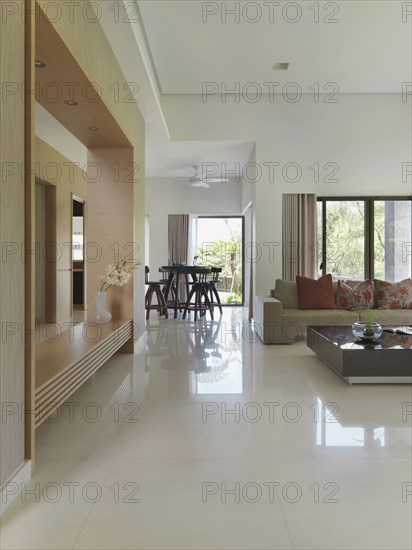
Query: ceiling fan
{"points": [[198, 181]]}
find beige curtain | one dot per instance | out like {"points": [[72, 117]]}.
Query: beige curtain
{"points": [[178, 237], [299, 252]]}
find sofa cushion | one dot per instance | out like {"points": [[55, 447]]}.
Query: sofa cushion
{"points": [[393, 295], [319, 317], [361, 295], [287, 293], [387, 316], [315, 294]]}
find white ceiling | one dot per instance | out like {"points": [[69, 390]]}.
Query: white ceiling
{"points": [[367, 50], [175, 159], [165, 158]]}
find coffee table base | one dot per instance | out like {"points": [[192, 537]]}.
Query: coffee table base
{"points": [[369, 379]]}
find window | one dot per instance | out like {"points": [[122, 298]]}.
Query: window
{"points": [[365, 237], [392, 240], [344, 236]]}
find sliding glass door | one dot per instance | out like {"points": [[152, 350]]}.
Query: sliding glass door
{"points": [[219, 242]]}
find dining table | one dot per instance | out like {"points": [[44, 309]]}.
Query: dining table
{"points": [[179, 274]]}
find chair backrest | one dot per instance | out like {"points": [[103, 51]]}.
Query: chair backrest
{"points": [[146, 273], [165, 274], [200, 274], [215, 273]]}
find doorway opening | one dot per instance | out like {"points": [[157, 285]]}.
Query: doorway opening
{"points": [[219, 242], [78, 260]]}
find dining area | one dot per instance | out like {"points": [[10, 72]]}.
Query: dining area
{"points": [[194, 267], [183, 289]]}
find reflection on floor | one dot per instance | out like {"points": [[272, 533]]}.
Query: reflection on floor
{"points": [[212, 440]]}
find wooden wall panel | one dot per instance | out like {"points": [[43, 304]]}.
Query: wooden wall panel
{"points": [[110, 224], [91, 50], [40, 267], [12, 451], [29, 230], [51, 274], [63, 295]]}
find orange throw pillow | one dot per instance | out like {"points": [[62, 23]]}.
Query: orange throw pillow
{"points": [[315, 294]]}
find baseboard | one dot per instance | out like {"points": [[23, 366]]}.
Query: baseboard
{"points": [[11, 488]]}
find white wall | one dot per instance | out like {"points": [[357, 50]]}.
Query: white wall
{"points": [[168, 196], [248, 209], [367, 135], [248, 180]]}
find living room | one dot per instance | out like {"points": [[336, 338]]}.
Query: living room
{"points": [[270, 424]]}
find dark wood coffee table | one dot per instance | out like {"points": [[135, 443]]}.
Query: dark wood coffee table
{"points": [[386, 361]]}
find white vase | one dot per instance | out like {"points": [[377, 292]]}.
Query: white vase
{"points": [[101, 315]]}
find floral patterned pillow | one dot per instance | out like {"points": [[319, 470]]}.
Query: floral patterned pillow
{"points": [[393, 295], [359, 296]]}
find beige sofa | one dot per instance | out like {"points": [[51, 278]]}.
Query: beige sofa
{"points": [[278, 320]]}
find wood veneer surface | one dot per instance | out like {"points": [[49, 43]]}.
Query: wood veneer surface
{"points": [[53, 358], [12, 391]]}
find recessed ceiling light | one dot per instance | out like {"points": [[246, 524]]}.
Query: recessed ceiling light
{"points": [[39, 64], [281, 66], [94, 129], [71, 102]]}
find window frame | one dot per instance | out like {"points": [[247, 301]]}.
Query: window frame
{"points": [[369, 264]]}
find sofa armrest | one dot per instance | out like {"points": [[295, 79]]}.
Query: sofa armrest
{"points": [[268, 320]]}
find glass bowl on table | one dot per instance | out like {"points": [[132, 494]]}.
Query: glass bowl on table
{"points": [[367, 331]]}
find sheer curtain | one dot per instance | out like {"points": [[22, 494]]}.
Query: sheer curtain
{"points": [[299, 227], [178, 238]]}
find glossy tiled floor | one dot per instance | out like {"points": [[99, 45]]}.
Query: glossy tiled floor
{"points": [[210, 440]]}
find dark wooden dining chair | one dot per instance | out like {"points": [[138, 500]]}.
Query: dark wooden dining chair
{"points": [[200, 292], [213, 292], [164, 280], [154, 288]]}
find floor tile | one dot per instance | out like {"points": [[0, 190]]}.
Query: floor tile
{"points": [[209, 441]]}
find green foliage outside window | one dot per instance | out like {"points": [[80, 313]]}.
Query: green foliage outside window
{"points": [[346, 234]]}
